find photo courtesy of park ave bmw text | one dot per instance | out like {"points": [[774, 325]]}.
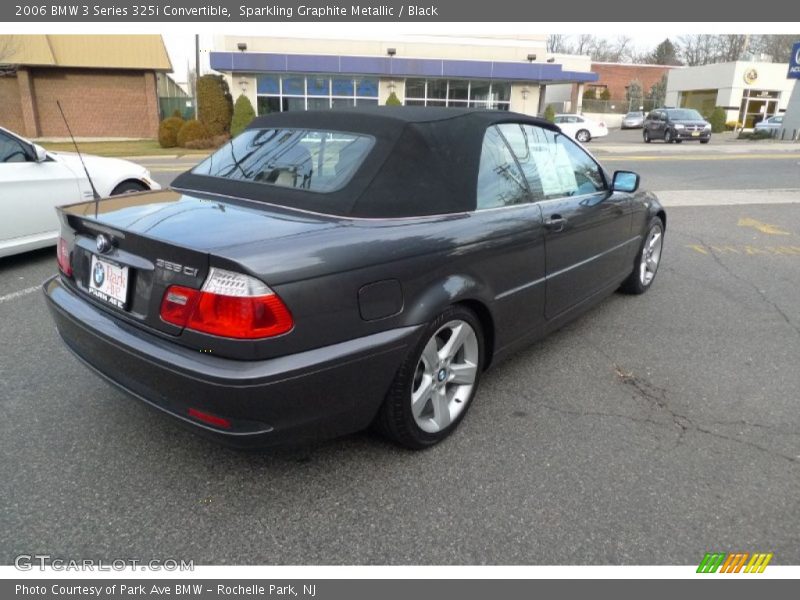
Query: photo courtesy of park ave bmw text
{"points": [[325, 300]]}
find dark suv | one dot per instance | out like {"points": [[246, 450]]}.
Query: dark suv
{"points": [[676, 125]]}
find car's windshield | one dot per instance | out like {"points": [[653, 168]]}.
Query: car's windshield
{"points": [[633, 114], [319, 161], [684, 114]]}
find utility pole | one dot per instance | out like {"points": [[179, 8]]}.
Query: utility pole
{"points": [[196, 70]]}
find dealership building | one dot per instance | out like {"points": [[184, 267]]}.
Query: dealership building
{"points": [[499, 72], [748, 91], [106, 84]]}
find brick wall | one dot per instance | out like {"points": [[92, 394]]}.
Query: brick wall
{"points": [[615, 77], [11, 112], [97, 103]]}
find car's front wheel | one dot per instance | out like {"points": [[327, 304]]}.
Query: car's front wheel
{"points": [[435, 385], [648, 258], [129, 187], [583, 136], [668, 137], [646, 136]]}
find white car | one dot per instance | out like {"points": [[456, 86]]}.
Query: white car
{"points": [[580, 128], [34, 181]]}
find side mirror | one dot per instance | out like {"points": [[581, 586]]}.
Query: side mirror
{"points": [[40, 154], [625, 181]]}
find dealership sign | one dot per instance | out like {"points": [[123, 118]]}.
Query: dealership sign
{"points": [[794, 62]]}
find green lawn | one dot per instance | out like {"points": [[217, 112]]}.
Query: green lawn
{"points": [[126, 148]]}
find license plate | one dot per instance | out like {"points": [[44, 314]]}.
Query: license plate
{"points": [[695, 134], [109, 282]]}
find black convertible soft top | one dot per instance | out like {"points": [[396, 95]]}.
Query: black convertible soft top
{"points": [[424, 162]]}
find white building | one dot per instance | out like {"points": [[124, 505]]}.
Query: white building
{"points": [[302, 73], [748, 91]]}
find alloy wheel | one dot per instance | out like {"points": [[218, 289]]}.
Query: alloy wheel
{"points": [[651, 255], [445, 376]]}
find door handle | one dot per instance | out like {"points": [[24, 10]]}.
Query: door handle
{"points": [[555, 223]]}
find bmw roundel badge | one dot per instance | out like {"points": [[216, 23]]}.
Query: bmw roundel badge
{"points": [[103, 244], [99, 274]]}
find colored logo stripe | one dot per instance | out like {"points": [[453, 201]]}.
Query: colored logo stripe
{"points": [[758, 563], [733, 562]]}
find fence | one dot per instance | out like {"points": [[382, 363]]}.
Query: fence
{"points": [[167, 105], [617, 106]]}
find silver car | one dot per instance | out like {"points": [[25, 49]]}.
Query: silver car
{"points": [[633, 120], [770, 124]]}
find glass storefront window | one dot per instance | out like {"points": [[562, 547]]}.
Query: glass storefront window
{"points": [[294, 86], [458, 93], [318, 86], [437, 88], [293, 91], [342, 87], [367, 87], [268, 84], [415, 88]]}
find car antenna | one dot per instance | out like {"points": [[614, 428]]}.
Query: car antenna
{"points": [[74, 143]]}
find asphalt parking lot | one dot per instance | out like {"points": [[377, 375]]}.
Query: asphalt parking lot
{"points": [[652, 430]]}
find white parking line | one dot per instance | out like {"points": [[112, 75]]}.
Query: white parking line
{"points": [[19, 294]]}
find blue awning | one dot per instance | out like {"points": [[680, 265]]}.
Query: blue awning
{"points": [[256, 62]]}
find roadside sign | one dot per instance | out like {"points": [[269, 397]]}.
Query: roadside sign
{"points": [[794, 62]]}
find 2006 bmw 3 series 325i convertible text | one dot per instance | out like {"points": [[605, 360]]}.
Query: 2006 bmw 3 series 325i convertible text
{"points": [[328, 270]]}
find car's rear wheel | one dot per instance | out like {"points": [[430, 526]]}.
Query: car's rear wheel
{"points": [[646, 136], [648, 258], [129, 187], [668, 137], [436, 382], [583, 136]]}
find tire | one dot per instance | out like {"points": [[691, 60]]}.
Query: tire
{"points": [[668, 139], [644, 266], [129, 187], [583, 136], [704, 141], [410, 414], [646, 136], [678, 141]]}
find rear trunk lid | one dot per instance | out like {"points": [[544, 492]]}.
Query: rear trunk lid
{"points": [[127, 250]]}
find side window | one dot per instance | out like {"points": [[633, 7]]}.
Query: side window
{"points": [[523, 140], [11, 150], [562, 168], [500, 182]]}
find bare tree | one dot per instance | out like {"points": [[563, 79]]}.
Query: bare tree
{"points": [[731, 47], [584, 43], [698, 49], [777, 47], [558, 43]]}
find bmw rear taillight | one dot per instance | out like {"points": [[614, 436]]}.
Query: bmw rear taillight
{"points": [[228, 305], [62, 252]]}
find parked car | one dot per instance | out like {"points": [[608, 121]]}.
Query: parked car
{"points": [[581, 128], [34, 181], [326, 270], [633, 120], [676, 125], [770, 124]]}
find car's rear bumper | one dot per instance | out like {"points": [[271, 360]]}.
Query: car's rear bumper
{"points": [[312, 395]]}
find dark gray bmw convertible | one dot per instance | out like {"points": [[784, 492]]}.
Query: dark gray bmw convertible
{"points": [[328, 270]]}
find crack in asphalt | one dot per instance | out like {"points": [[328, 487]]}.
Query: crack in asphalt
{"points": [[657, 397], [738, 277]]}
